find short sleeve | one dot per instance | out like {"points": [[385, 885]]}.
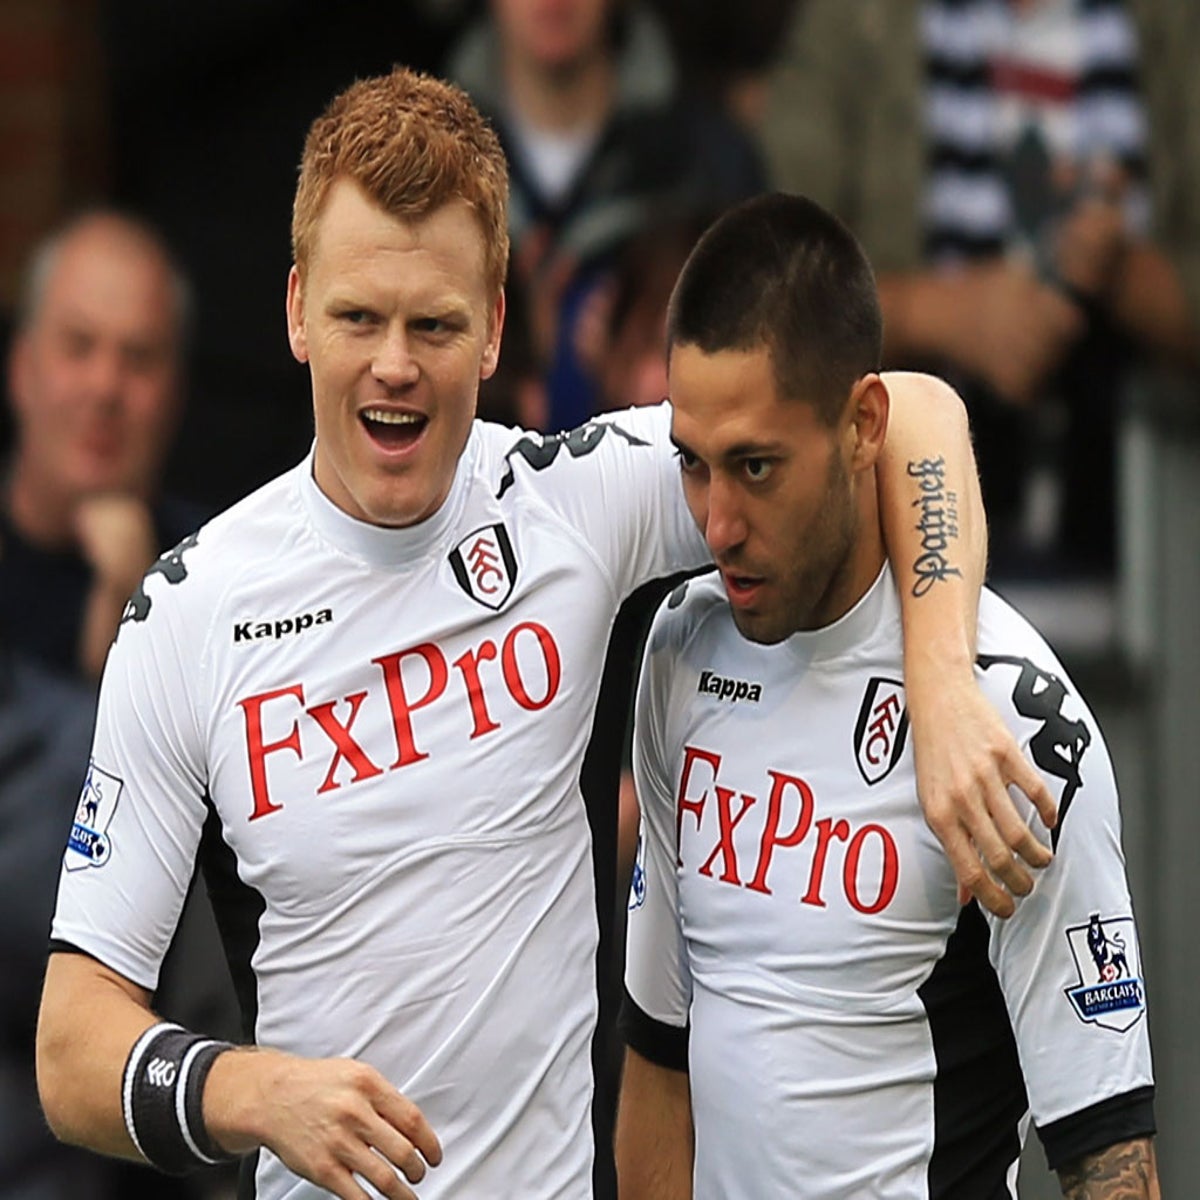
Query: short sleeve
{"points": [[133, 842], [657, 979], [1069, 960]]}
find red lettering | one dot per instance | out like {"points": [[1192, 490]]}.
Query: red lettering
{"points": [[770, 838], [512, 670], [826, 829], [881, 728], [257, 749], [728, 823], [690, 755], [468, 665], [345, 746], [435, 660], [889, 876]]}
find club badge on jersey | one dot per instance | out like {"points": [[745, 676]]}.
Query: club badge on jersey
{"points": [[881, 729], [1110, 991], [89, 844], [485, 566]]}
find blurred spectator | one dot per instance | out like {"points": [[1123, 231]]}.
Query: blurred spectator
{"points": [[621, 337], [600, 136], [94, 380], [991, 157], [45, 732], [1170, 35], [725, 50]]}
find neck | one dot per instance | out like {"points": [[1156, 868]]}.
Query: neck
{"points": [[861, 566], [576, 97]]}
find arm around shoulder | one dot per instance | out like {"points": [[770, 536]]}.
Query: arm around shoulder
{"points": [[936, 535]]}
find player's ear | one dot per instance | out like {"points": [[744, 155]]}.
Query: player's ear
{"points": [[869, 406], [297, 334], [491, 350]]}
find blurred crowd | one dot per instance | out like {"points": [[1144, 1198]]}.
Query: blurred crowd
{"points": [[1027, 189]]}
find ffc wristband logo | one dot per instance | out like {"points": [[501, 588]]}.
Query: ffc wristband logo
{"points": [[1110, 991], [485, 566], [89, 844]]}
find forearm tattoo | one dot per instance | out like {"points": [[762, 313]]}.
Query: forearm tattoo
{"points": [[938, 523], [1125, 1171]]}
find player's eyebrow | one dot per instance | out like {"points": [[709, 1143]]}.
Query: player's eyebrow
{"points": [[738, 450]]}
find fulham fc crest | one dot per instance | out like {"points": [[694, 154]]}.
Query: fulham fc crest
{"points": [[881, 729], [89, 844], [485, 566]]}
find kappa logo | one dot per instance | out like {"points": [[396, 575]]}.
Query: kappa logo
{"points": [[1110, 991], [881, 729], [253, 631], [485, 566], [541, 451], [89, 844], [726, 688], [171, 566], [1059, 745]]}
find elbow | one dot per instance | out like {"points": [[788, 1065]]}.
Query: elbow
{"points": [[53, 1081]]}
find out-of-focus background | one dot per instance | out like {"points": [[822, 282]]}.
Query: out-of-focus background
{"points": [[1025, 175]]}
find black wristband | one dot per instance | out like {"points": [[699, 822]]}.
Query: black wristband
{"points": [[161, 1098]]}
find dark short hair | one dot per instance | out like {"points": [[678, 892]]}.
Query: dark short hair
{"points": [[779, 271]]}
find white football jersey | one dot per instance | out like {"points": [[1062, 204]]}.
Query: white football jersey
{"points": [[795, 939], [371, 739]]}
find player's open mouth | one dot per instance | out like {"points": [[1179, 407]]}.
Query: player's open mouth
{"points": [[393, 430], [741, 588]]}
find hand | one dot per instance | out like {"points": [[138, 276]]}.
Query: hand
{"points": [[966, 758], [1013, 330], [116, 536], [1089, 245], [327, 1119]]}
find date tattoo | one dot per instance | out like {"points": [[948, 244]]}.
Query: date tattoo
{"points": [[937, 524], [1126, 1171]]}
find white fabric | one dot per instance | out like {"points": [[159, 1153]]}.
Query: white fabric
{"points": [[796, 946], [428, 889]]}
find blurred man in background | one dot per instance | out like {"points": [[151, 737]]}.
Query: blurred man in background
{"points": [[95, 382]]}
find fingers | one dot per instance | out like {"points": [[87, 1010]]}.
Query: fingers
{"points": [[343, 1123], [381, 1174], [1023, 774], [973, 878], [404, 1122]]}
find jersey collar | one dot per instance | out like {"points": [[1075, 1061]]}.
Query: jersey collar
{"points": [[377, 544], [853, 629]]}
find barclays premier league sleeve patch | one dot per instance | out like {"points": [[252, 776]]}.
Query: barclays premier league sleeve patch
{"points": [[637, 882], [1110, 991], [89, 844]]}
